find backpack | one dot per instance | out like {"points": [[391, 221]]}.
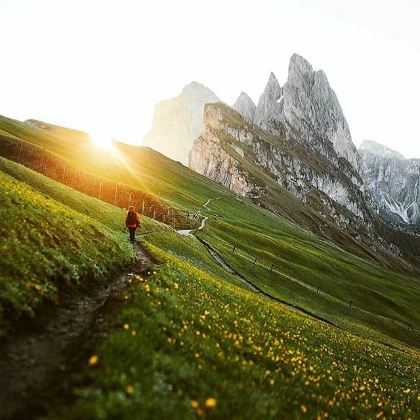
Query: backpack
{"points": [[132, 218]]}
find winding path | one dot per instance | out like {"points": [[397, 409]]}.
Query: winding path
{"points": [[219, 259]]}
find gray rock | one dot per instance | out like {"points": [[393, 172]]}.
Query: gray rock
{"points": [[393, 181], [311, 109], [177, 122], [245, 106], [269, 109]]}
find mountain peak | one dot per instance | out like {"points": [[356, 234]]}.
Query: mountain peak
{"points": [[380, 150], [269, 108], [178, 121], [311, 107], [299, 64], [245, 106], [196, 89]]}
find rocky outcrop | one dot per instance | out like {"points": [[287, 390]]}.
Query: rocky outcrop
{"points": [[269, 108], [245, 106], [311, 107], [227, 139], [282, 174], [393, 181], [177, 122], [308, 109]]}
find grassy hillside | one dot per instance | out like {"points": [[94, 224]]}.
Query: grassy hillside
{"points": [[51, 238], [302, 262], [192, 340], [189, 343]]}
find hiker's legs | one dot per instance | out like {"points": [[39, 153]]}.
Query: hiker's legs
{"points": [[132, 234]]}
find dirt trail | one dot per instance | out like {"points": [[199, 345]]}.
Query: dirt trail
{"points": [[36, 365]]}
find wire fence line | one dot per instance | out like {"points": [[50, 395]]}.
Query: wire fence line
{"points": [[257, 262], [118, 194]]}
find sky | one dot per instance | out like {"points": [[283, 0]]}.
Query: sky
{"points": [[101, 66]]}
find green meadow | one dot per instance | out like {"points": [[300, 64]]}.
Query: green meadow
{"points": [[192, 339]]}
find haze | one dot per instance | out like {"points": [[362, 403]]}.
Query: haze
{"points": [[101, 66]]}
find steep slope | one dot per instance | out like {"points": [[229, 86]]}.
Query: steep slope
{"points": [[177, 122], [51, 238], [269, 108], [302, 262], [306, 109], [197, 346], [311, 109], [393, 181], [254, 163]]}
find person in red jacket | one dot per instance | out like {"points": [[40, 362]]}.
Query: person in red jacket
{"points": [[132, 222]]}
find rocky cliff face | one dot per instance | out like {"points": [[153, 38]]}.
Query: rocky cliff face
{"points": [[292, 153], [308, 109], [311, 109], [322, 193], [269, 109], [306, 115], [178, 122], [228, 141], [393, 181]]}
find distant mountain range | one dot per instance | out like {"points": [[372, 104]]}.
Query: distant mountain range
{"points": [[295, 139], [393, 180]]}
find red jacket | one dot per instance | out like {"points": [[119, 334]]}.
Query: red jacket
{"points": [[131, 221]]}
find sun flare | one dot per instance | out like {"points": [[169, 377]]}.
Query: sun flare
{"points": [[102, 140]]}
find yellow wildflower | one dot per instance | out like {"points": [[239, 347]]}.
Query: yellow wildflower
{"points": [[129, 389], [194, 404], [93, 360], [210, 403]]}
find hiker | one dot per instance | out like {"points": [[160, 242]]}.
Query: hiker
{"points": [[132, 222]]}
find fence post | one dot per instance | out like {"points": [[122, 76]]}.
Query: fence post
{"points": [[233, 250], [271, 269], [142, 209], [317, 289], [351, 303], [255, 260], [115, 194], [42, 161], [100, 189], [154, 214]]}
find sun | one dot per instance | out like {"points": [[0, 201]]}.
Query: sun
{"points": [[102, 140]]}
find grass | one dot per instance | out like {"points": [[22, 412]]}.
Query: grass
{"points": [[300, 267], [189, 343], [51, 238], [191, 340], [304, 261]]}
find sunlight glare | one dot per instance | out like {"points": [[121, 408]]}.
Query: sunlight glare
{"points": [[102, 140]]}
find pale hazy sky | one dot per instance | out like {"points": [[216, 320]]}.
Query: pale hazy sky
{"points": [[102, 65]]}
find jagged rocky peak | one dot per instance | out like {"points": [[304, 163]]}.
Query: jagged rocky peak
{"points": [[177, 122], [379, 150], [245, 106], [269, 108], [312, 110]]}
